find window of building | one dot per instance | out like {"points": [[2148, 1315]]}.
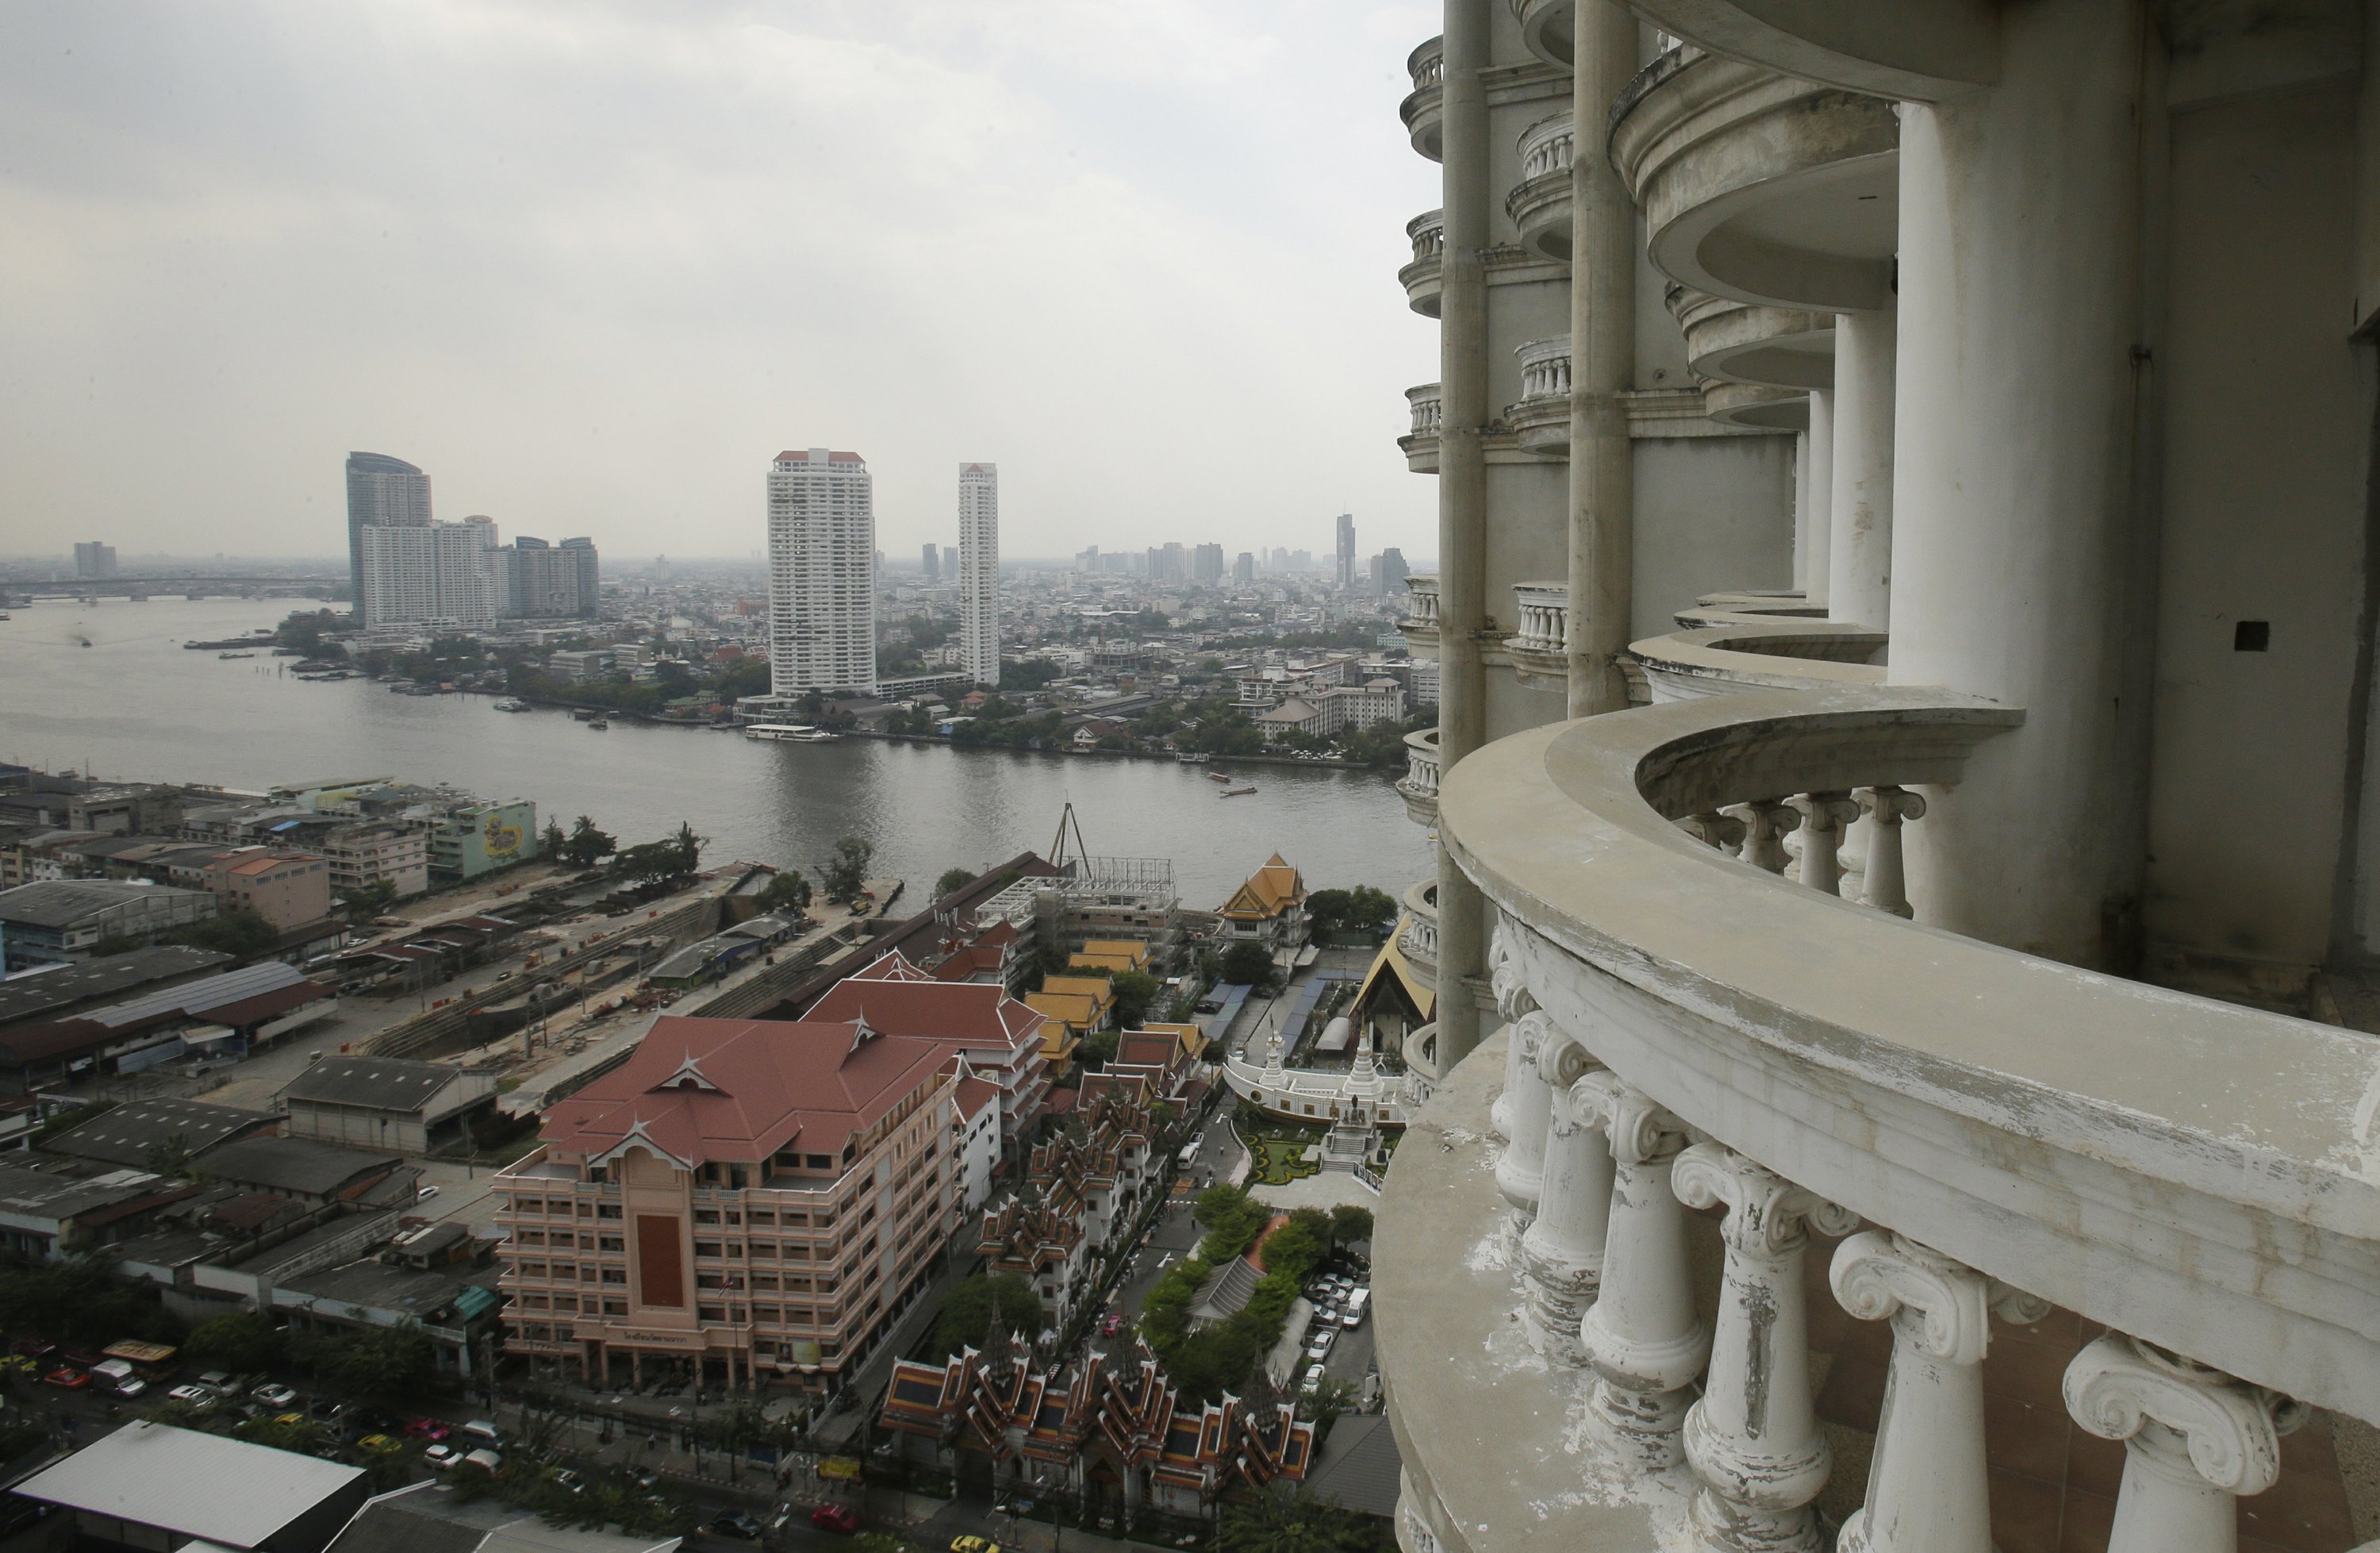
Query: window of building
{"points": [[711, 1313], [705, 1248], [614, 1243], [615, 1275], [764, 1216], [706, 1215], [616, 1307], [607, 1210]]}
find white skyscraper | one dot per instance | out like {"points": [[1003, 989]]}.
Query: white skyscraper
{"points": [[979, 572], [447, 574], [821, 573]]}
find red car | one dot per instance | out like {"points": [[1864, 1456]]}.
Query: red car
{"points": [[1111, 1326], [31, 1348], [427, 1429], [67, 1378], [835, 1518]]}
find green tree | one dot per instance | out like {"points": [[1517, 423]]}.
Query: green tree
{"points": [[1136, 994], [240, 1341], [845, 875], [366, 901], [953, 880], [1370, 910], [1247, 964], [1097, 1049], [236, 931], [1327, 910], [386, 1364], [1284, 1519], [786, 891], [587, 846], [552, 841], [968, 1309], [1350, 1224]]}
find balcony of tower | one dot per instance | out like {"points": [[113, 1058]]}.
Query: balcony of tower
{"points": [[1539, 421], [1423, 107], [1420, 444], [1418, 786], [1423, 278], [1419, 626], [1539, 204]]}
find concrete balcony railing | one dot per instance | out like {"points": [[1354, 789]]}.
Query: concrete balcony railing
{"points": [[1539, 203], [1417, 934], [1549, 29], [1541, 650], [2098, 1219], [1776, 653], [1420, 624], [1424, 110], [1758, 186], [1423, 277], [1419, 785], [1539, 420], [1420, 444]]}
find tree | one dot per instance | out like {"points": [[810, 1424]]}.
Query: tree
{"points": [[1282, 1519], [240, 1341], [587, 846], [786, 891], [1327, 910], [386, 1364], [237, 932], [845, 875], [1350, 1224], [552, 841], [953, 880], [1136, 994], [1370, 910], [689, 847], [968, 1309], [1097, 1049], [1247, 964], [366, 901]]}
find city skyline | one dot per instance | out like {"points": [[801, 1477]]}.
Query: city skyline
{"points": [[490, 291]]}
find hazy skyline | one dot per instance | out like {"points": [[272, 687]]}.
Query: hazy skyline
{"points": [[594, 266]]}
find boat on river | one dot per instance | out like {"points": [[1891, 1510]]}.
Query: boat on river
{"points": [[789, 733], [599, 725], [1237, 793]]}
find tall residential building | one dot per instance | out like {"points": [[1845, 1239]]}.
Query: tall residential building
{"points": [[94, 560], [1206, 564], [933, 562], [979, 572], [1388, 574], [546, 581], [432, 574], [1244, 569], [1347, 570], [821, 573], [385, 491], [1858, 657]]}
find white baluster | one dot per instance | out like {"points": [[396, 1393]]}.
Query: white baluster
{"points": [[1886, 888], [1512, 1000], [1528, 1106], [1766, 820], [1642, 1335], [1824, 815], [1927, 1486], [2195, 1441], [1715, 829], [1563, 1253], [1753, 1439]]}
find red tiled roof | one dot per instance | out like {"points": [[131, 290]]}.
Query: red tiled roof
{"points": [[705, 1089], [970, 1013], [1060, 1101], [1146, 1048], [975, 1094]]}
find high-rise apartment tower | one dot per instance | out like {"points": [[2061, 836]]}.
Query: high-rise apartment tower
{"points": [[821, 573], [979, 572], [1347, 571], [385, 491], [446, 573], [94, 559], [931, 561]]}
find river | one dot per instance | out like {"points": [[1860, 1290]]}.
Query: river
{"points": [[137, 705]]}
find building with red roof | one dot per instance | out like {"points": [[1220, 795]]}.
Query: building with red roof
{"points": [[742, 1200], [999, 1036]]}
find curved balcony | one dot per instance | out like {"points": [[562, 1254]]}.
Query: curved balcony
{"points": [[1541, 650], [1417, 934], [1761, 187], [1423, 278], [1420, 624], [1756, 405], [1778, 653], [1419, 784], [1756, 606], [1424, 110], [1539, 203], [2092, 1209], [1550, 29], [1539, 419], [1784, 347], [1420, 444]]}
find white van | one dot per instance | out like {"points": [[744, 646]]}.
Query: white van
{"points": [[1351, 1313], [1189, 1153]]}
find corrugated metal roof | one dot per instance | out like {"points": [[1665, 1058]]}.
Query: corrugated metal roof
{"points": [[208, 992], [202, 1485]]}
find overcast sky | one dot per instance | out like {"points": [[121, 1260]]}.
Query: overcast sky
{"points": [[591, 265]]}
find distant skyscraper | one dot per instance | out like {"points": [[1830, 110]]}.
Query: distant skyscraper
{"points": [[821, 573], [545, 581], [1347, 573], [446, 573], [1388, 573], [979, 572], [1206, 564], [932, 561], [385, 491], [1244, 569], [94, 560]]}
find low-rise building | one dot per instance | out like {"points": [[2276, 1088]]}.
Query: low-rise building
{"points": [[298, 1168], [743, 1200], [288, 890], [63, 922], [1001, 1037], [159, 1133], [475, 838], [150, 1485], [386, 1103], [378, 853], [1268, 910], [60, 1210], [62, 991], [213, 1018]]}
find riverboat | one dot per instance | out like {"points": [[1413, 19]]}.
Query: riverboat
{"points": [[1218, 777], [599, 725], [1237, 793], [1191, 757], [219, 657], [789, 733], [512, 706]]}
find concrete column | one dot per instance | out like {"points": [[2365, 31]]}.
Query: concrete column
{"points": [[2015, 569], [1928, 1487], [1642, 1335], [1528, 1105], [1561, 1254], [1753, 1439], [1820, 531], [1859, 554], [1801, 513], [1464, 412], [2195, 1441], [1603, 368]]}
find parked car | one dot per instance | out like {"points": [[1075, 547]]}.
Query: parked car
{"points": [[427, 1429], [1319, 1348], [1112, 1325], [485, 1459], [276, 1396], [197, 1397], [974, 1545], [835, 1518], [220, 1382], [380, 1445], [423, 1194], [67, 1378], [33, 1347], [127, 1390], [482, 1431], [442, 1456], [737, 1524], [568, 1481], [1312, 1383]]}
